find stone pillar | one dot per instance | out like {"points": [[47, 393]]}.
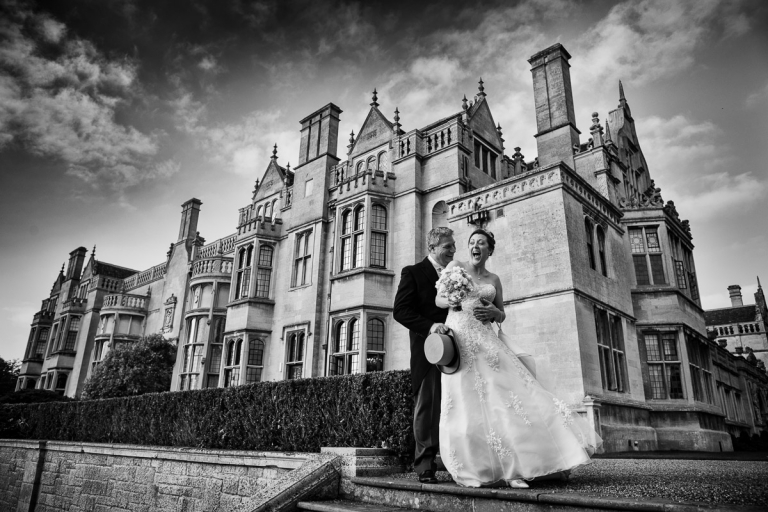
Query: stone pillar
{"points": [[553, 97]]}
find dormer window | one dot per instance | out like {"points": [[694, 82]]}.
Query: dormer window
{"points": [[485, 158]]}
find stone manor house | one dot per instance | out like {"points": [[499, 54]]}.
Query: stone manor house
{"points": [[599, 277]]}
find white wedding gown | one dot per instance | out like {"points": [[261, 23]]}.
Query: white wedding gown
{"points": [[496, 421]]}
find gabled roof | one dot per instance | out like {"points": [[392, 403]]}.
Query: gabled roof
{"points": [[482, 123], [375, 131], [110, 270], [272, 180], [735, 315]]}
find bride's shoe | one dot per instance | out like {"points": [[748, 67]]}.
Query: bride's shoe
{"points": [[517, 484]]}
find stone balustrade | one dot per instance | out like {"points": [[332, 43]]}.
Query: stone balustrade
{"points": [[125, 301], [221, 246], [210, 266], [74, 305], [368, 180], [145, 277]]}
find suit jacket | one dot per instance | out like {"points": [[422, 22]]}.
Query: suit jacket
{"points": [[415, 309]]}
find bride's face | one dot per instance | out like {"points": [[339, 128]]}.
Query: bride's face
{"points": [[478, 249]]}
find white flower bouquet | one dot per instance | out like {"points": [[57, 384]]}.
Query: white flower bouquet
{"points": [[454, 285]]}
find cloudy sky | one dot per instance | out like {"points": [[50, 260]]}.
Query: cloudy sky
{"points": [[113, 113]]}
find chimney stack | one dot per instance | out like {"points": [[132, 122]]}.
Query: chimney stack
{"points": [[320, 133], [190, 211], [735, 293], [555, 119], [76, 259]]}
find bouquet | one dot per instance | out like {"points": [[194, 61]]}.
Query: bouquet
{"points": [[454, 284]]}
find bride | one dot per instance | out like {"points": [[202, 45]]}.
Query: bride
{"points": [[497, 424]]}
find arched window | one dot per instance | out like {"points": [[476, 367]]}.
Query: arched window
{"points": [[264, 272], [383, 161], [258, 213], [255, 361], [374, 359], [590, 242], [243, 283], [359, 237], [295, 361], [197, 335], [274, 210], [359, 168], [440, 215], [267, 212], [378, 236], [61, 383], [232, 367], [601, 251], [371, 163], [346, 240], [346, 356]]}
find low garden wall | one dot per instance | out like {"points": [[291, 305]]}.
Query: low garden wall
{"points": [[55, 475]]}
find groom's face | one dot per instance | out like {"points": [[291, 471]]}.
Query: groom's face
{"points": [[444, 250]]}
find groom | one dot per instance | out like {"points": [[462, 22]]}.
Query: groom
{"points": [[415, 309]]}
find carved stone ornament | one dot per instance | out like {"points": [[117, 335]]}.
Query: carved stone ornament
{"points": [[168, 319], [651, 198]]}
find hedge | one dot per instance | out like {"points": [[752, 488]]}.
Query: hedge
{"points": [[294, 415]]}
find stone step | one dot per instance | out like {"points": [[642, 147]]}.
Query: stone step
{"points": [[449, 497], [346, 506]]}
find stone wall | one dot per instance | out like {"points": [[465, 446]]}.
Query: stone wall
{"points": [[45, 476]]}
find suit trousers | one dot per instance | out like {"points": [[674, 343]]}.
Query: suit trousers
{"points": [[426, 422]]}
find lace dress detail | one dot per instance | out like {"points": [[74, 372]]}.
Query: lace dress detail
{"points": [[497, 422]]}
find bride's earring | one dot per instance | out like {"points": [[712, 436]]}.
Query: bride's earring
{"points": [[517, 484]]}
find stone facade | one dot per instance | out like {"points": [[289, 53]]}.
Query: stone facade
{"points": [[598, 271]]}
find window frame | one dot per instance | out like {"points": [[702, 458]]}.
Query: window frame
{"points": [[295, 353], [243, 271], [611, 348], [302, 259], [665, 364], [648, 255], [381, 234], [192, 353], [589, 231], [264, 270]]}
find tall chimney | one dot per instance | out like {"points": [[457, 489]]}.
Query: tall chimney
{"points": [[553, 96], [319, 133], [735, 292], [76, 259], [190, 211]]}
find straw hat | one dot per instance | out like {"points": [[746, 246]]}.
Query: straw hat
{"points": [[441, 350]]}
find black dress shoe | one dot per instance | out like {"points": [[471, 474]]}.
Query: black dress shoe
{"points": [[427, 477]]}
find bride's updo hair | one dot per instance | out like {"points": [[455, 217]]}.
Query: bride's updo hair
{"points": [[488, 236]]}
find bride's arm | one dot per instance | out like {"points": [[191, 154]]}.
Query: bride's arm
{"points": [[442, 302], [498, 301]]}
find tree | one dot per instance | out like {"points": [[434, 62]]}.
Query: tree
{"points": [[9, 374], [130, 369]]}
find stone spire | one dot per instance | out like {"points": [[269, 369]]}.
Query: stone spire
{"points": [[622, 99], [351, 141], [481, 89], [596, 130], [375, 103], [274, 152]]}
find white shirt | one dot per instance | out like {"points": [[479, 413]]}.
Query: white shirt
{"points": [[438, 268]]}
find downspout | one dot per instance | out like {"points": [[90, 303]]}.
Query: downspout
{"points": [[328, 302]]}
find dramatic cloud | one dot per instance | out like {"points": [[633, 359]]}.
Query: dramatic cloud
{"points": [[60, 97], [695, 169], [644, 41]]}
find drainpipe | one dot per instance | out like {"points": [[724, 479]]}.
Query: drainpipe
{"points": [[328, 303]]}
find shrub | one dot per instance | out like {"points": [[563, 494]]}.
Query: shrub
{"points": [[294, 415], [130, 369], [32, 396]]}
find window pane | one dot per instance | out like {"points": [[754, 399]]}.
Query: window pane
{"points": [[657, 381], [374, 363], [265, 256], [353, 363], [378, 249], [215, 363], [341, 337], [346, 253], [657, 269], [262, 282], [346, 222], [652, 347], [213, 380], [359, 219], [378, 217], [252, 375], [354, 335], [359, 247], [232, 377], [641, 269], [652, 236], [669, 342], [680, 274], [636, 240], [256, 353], [295, 371], [675, 381], [375, 334]]}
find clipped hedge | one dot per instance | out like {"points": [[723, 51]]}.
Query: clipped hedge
{"points": [[295, 415]]}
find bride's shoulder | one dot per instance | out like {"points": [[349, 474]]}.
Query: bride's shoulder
{"points": [[456, 263]]}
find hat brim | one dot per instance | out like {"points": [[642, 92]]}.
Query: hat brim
{"points": [[455, 364]]}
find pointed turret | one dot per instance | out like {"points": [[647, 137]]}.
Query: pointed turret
{"points": [[375, 103], [274, 152], [481, 89]]}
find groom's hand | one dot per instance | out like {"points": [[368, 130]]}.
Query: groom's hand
{"points": [[440, 329], [486, 312]]}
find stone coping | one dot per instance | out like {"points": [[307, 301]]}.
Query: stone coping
{"points": [[284, 460], [553, 499]]}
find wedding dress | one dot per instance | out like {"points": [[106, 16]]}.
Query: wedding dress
{"points": [[497, 422]]}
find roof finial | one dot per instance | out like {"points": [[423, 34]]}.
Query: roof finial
{"points": [[596, 130], [274, 152], [759, 286], [374, 103], [352, 137], [464, 104], [397, 116], [288, 168], [481, 89], [93, 252], [622, 99], [62, 269]]}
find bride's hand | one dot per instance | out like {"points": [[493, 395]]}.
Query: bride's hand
{"points": [[486, 312]]}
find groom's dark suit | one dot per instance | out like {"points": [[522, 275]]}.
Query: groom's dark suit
{"points": [[415, 309]]}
